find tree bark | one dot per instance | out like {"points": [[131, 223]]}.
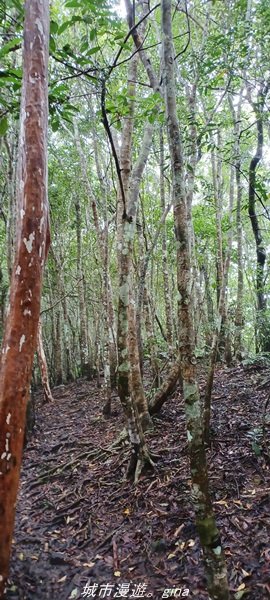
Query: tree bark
{"points": [[20, 336], [215, 567]]}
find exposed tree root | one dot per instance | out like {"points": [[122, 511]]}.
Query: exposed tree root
{"points": [[140, 460]]}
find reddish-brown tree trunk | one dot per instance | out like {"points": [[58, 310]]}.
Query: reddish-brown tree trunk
{"points": [[20, 335]]}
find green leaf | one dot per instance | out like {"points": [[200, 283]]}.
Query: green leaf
{"points": [[64, 26], [53, 27], [52, 44], [3, 126], [69, 23], [55, 123], [93, 34], [72, 4], [9, 46], [93, 50]]}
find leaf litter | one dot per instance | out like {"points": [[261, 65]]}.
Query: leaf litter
{"points": [[79, 521]]}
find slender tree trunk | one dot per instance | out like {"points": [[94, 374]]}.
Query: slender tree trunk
{"points": [[69, 368], [209, 302], [217, 184], [102, 241], [167, 387], [209, 536], [142, 249], [58, 355], [53, 330], [108, 343], [151, 341], [86, 369], [127, 335], [222, 315], [191, 93], [239, 317], [132, 402], [21, 325], [167, 293], [43, 366], [262, 321], [109, 316]]}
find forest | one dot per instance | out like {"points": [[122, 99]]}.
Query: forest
{"points": [[134, 299]]}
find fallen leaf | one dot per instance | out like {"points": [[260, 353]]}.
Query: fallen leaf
{"points": [[222, 502], [245, 573], [239, 595]]}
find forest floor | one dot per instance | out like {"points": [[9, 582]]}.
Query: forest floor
{"points": [[83, 531]]}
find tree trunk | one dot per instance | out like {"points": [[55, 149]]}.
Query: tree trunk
{"points": [[102, 241], [262, 320], [239, 317], [21, 325], [215, 567], [58, 349], [108, 347], [167, 295], [43, 366], [128, 371], [86, 368], [221, 317], [209, 303], [167, 387], [151, 341], [217, 185]]}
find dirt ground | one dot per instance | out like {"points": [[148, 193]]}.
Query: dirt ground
{"points": [[83, 531]]}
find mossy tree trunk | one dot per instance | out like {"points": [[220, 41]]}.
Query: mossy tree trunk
{"points": [[215, 567]]}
